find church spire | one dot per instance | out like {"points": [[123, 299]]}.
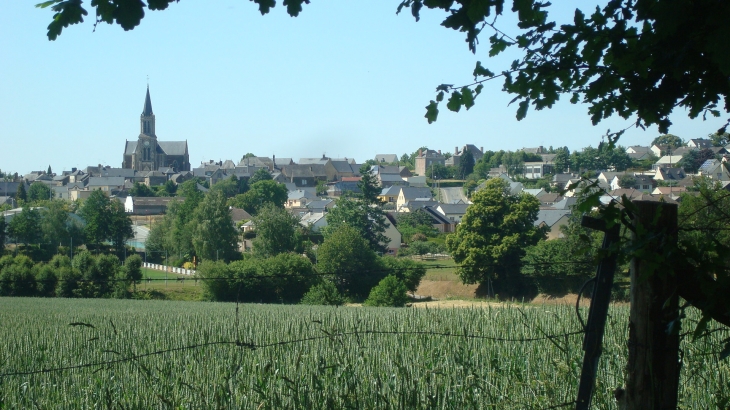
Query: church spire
{"points": [[147, 119], [147, 104]]}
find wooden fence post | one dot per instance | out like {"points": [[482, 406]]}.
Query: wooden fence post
{"points": [[653, 365]]}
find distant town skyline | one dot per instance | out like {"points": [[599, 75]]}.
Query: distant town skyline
{"points": [[349, 79]]}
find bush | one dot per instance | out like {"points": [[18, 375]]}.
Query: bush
{"points": [[420, 248], [46, 280], [325, 293], [408, 271], [390, 292]]}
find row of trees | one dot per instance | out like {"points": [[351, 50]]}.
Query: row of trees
{"points": [[42, 229], [84, 276]]}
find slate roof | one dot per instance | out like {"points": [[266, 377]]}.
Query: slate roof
{"points": [[671, 173], [436, 216], [387, 158], [117, 172], [130, 147], [459, 209], [106, 181], [174, 147], [410, 193], [304, 171], [310, 161], [319, 205], [238, 214], [391, 190], [550, 216], [342, 166]]}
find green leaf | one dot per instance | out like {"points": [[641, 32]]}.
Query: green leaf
{"points": [[478, 90], [265, 6], [47, 4], [522, 111], [440, 96], [432, 111], [480, 71], [467, 97], [455, 102]]}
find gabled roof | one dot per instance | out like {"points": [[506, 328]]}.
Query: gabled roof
{"points": [[174, 147], [117, 172], [671, 173], [436, 216], [391, 190], [319, 204], [456, 209], [550, 216], [130, 147], [238, 214], [342, 166], [387, 158], [304, 171], [410, 193]]}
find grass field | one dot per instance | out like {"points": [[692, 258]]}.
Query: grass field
{"points": [[301, 361], [176, 287]]}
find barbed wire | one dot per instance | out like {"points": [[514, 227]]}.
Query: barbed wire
{"points": [[256, 346]]}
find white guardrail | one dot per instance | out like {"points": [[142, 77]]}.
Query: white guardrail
{"points": [[169, 269]]}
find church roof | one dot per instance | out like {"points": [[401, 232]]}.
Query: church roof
{"points": [[174, 147], [130, 147], [147, 111]]}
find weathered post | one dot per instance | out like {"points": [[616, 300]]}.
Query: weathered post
{"points": [[653, 365]]}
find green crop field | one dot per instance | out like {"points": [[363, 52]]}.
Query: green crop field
{"points": [[297, 357]]}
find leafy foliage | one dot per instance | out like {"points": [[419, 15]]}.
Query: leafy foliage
{"points": [[390, 292], [260, 193], [347, 256], [627, 58], [25, 227], [213, 235], [39, 191], [491, 239], [106, 220], [669, 141], [692, 160], [368, 220], [324, 293], [277, 231]]}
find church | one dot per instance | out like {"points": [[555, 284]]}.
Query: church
{"points": [[149, 154]]}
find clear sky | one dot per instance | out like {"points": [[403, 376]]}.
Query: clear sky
{"points": [[346, 78]]}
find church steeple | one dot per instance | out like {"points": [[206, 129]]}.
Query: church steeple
{"points": [[147, 104], [147, 119]]}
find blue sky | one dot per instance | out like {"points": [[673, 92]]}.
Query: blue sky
{"points": [[346, 79]]}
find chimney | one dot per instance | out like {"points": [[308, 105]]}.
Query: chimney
{"points": [[419, 152], [456, 150], [439, 152], [481, 149]]}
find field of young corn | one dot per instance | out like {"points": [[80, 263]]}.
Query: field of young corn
{"points": [[296, 357]]}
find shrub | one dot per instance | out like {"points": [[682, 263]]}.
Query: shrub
{"points": [[390, 292], [325, 293]]}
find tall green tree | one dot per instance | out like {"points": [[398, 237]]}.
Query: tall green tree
{"points": [[141, 190], [106, 220], [277, 231], [368, 220], [3, 234], [261, 174], [561, 160], [213, 235], [719, 139], [490, 241], [693, 159], [39, 191], [21, 195], [25, 226], [369, 186], [261, 193], [466, 164], [670, 141], [348, 258]]}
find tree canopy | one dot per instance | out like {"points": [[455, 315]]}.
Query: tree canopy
{"points": [[491, 238]]}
